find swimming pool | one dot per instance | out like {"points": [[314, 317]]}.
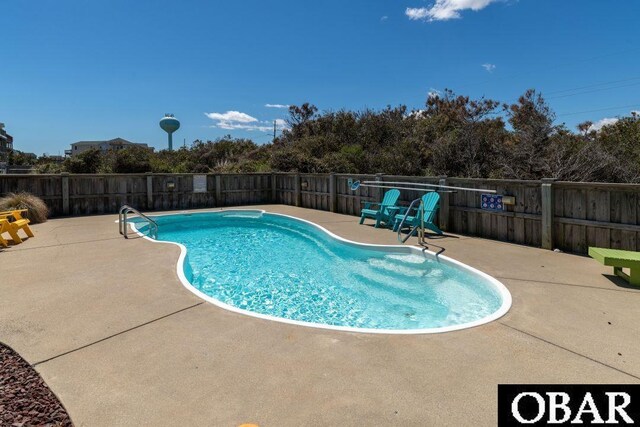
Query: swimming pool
{"points": [[286, 269]]}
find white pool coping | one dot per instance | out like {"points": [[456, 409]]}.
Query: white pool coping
{"points": [[501, 288]]}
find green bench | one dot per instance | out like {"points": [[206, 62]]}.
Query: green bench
{"points": [[618, 259]]}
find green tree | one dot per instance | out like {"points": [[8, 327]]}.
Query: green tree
{"points": [[86, 162], [467, 136], [134, 159], [532, 121]]}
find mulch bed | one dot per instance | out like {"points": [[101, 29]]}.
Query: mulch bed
{"points": [[25, 399]]}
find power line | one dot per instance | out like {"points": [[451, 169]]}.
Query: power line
{"points": [[594, 85], [553, 67], [598, 110], [593, 91]]}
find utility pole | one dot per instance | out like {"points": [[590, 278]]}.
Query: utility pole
{"points": [[274, 131]]}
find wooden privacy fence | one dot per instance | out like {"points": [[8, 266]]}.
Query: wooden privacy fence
{"points": [[67, 194], [550, 214]]}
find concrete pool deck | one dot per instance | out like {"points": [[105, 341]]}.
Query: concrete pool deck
{"points": [[121, 342]]}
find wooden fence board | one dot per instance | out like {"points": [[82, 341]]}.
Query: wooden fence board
{"points": [[584, 214]]}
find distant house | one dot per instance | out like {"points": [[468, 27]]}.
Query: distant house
{"points": [[6, 141], [6, 146], [112, 144]]}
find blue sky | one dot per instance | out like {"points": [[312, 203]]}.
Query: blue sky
{"points": [[85, 70]]}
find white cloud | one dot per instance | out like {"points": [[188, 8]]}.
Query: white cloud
{"points": [[444, 10], [489, 67], [235, 120], [232, 116], [281, 124], [384, 18], [268, 125], [251, 128], [433, 93], [602, 123], [240, 126], [415, 13], [276, 105]]}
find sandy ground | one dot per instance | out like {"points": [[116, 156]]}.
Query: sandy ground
{"points": [[121, 342]]}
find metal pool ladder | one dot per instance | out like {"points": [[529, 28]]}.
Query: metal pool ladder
{"points": [[125, 210], [419, 227]]}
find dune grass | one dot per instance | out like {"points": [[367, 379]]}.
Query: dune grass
{"points": [[37, 210]]}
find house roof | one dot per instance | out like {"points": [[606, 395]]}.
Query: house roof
{"points": [[110, 142]]}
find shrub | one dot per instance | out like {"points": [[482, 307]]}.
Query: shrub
{"points": [[85, 162], [131, 160], [49, 167], [37, 210]]}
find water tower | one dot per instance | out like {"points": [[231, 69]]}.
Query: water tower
{"points": [[170, 124]]}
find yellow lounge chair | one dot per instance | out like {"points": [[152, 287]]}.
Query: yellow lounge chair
{"points": [[4, 227], [15, 213], [19, 223]]}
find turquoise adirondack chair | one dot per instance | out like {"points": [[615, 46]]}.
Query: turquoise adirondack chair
{"points": [[385, 212], [428, 209]]}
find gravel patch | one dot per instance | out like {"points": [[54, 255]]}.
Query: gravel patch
{"points": [[25, 399]]}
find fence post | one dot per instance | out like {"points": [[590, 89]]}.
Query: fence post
{"points": [[333, 200], [65, 193], [218, 190], [296, 186], [149, 191], [274, 189], [444, 206], [380, 190], [547, 213]]}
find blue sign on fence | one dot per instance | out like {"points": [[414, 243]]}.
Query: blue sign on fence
{"points": [[492, 202]]}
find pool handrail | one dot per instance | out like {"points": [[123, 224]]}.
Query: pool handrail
{"points": [[122, 221], [400, 238]]}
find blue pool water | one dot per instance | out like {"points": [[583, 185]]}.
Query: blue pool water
{"points": [[286, 268]]}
